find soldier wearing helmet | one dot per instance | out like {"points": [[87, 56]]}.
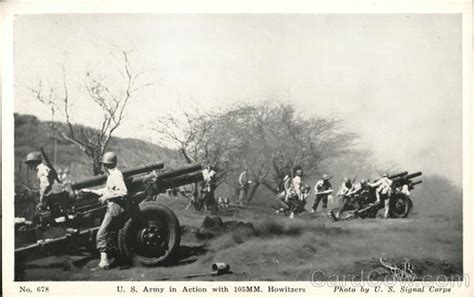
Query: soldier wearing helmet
{"points": [[354, 192], [208, 187], [34, 161], [300, 204], [114, 195], [322, 189], [244, 185], [295, 192], [346, 187], [383, 188]]}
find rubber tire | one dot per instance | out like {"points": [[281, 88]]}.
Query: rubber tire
{"points": [[127, 235], [408, 206]]}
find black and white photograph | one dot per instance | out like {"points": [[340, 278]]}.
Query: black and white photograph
{"points": [[237, 147]]}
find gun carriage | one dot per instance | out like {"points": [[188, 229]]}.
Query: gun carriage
{"points": [[363, 204], [149, 234]]}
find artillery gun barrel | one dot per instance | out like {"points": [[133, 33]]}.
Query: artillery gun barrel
{"points": [[398, 182], [99, 180], [398, 175], [416, 183], [180, 181], [179, 171], [169, 183], [413, 175]]}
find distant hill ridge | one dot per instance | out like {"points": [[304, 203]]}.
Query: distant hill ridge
{"points": [[32, 133]]}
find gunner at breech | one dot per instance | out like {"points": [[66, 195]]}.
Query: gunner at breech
{"points": [[44, 174], [114, 195], [383, 188]]}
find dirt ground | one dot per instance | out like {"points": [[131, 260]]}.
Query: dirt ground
{"points": [[279, 248]]}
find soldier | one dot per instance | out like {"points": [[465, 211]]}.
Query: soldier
{"points": [[346, 188], [244, 184], [344, 194], [384, 188], [349, 193], [322, 189], [295, 190], [46, 178], [114, 194], [300, 204], [208, 187]]}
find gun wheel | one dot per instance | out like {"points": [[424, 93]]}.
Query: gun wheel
{"points": [[152, 237], [400, 206]]}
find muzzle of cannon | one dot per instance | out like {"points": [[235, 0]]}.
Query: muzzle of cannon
{"points": [[99, 180], [406, 179], [171, 179], [398, 175]]}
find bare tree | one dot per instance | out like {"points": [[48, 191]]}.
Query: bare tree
{"points": [[198, 136], [111, 102], [267, 141]]}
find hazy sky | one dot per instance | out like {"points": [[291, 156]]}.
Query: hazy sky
{"points": [[394, 79]]}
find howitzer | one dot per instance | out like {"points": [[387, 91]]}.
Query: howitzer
{"points": [[150, 234], [398, 175], [362, 204], [405, 179]]}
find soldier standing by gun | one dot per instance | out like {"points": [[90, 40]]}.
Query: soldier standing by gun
{"points": [[305, 192], [346, 189], [344, 194], [208, 188], [351, 193], [45, 174], [295, 191], [244, 184], [322, 189], [114, 195], [384, 188]]}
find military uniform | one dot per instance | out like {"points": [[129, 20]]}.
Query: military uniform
{"points": [[321, 186], [208, 189], [384, 187], [45, 178], [243, 187], [114, 193]]}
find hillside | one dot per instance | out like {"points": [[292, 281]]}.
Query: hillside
{"points": [[31, 134]]}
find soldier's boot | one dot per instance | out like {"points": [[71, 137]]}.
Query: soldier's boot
{"points": [[104, 261], [333, 216]]}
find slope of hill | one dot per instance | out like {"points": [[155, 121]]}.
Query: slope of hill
{"points": [[31, 134]]}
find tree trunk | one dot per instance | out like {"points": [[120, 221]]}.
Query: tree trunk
{"points": [[252, 191], [96, 165], [270, 187]]}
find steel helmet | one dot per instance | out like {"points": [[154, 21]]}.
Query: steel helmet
{"points": [[299, 172], [109, 158], [385, 175], [33, 157], [325, 177], [363, 182], [346, 180]]}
